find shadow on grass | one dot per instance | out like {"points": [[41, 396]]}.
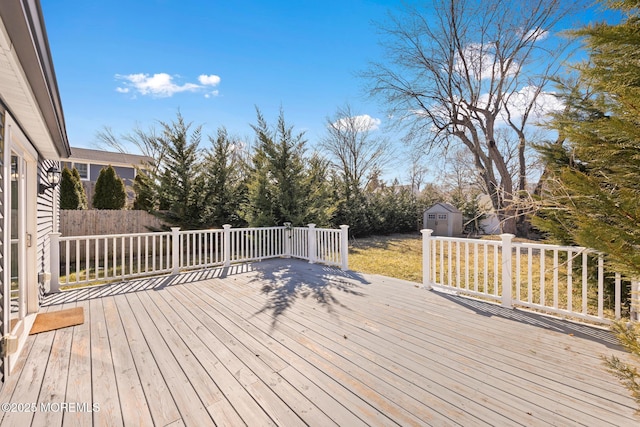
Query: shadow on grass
{"points": [[286, 281], [563, 326]]}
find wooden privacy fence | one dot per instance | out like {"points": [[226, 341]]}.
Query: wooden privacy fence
{"points": [[94, 222], [78, 260], [569, 281]]}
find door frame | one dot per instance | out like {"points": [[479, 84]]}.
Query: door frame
{"points": [[16, 142]]}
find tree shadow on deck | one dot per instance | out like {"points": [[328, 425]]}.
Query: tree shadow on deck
{"points": [[143, 284], [285, 281], [563, 326]]}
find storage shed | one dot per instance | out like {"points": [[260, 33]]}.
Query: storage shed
{"points": [[444, 219]]}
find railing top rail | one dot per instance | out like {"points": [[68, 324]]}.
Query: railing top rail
{"points": [[108, 236], [465, 240], [277, 227], [548, 246]]}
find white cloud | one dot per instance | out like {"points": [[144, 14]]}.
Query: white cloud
{"points": [[361, 123], [162, 85], [211, 80], [545, 104], [480, 62], [213, 93]]}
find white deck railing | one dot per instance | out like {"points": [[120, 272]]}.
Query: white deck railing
{"points": [[99, 259], [562, 280]]}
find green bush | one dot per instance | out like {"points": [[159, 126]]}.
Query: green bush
{"points": [[109, 191]]}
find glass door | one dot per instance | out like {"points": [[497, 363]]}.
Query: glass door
{"points": [[17, 236]]}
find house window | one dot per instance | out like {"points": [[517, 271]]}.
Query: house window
{"points": [[442, 216], [83, 170], [431, 216]]}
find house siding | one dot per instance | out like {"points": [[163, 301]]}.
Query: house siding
{"points": [[45, 225]]}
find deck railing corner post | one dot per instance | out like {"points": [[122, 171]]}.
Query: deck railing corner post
{"points": [[55, 262], [287, 239], [175, 250], [635, 301], [226, 241], [344, 247], [311, 242], [426, 258], [507, 279]]}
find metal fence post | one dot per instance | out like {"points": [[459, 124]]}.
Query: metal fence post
{"points": [[226, 241], [311, 242], [507, 280], [344, 247], [426, 258], [55, 262], [175, 250]]}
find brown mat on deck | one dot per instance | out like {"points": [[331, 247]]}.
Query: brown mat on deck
{"points": [[57, 319]]}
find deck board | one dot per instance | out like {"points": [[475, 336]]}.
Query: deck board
{"points": [[283, 342]]}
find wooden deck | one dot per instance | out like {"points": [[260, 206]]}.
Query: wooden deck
{"points": [[283, 342]]}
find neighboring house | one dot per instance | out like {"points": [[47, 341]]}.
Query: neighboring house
{"points": [[90, 162], [444, 219], [32, 141]]}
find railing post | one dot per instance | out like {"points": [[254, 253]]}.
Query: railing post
{"points": [[55, 262], [344, 247], [175, 250], [507, 280], [311, 242], [226, 241], [287, 240], [635, 301], [426, 258]]}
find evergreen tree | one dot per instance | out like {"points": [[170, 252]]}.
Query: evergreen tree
{"points": [[180, 178], [594, 189], [70, 197], [225, 181], [109, 190], [144, 200], [83, 201], [279, 185]]}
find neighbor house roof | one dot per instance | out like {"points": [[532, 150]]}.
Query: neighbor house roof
{"points": [[107, 157], [28, 86]]}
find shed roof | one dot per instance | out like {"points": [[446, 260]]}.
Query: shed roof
{"points": [[442, 207]]}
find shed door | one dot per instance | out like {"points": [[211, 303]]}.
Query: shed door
{"points": [[440, 224]]}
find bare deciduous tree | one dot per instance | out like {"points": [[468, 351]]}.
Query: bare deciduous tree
{"points": [[353, 148], [459, 70]]}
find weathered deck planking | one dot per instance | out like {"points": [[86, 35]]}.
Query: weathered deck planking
{"points": [[287, 343]]}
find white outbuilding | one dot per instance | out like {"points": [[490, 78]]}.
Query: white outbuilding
{"points": [[444, 219]]}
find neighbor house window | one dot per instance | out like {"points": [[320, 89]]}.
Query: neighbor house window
{"points": [[83, 170]]}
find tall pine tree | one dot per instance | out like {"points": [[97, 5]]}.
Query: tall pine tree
{"points": [[592, 195], [180, 176]]}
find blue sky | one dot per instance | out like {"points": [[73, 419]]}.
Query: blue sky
{"points": [[301, 56], [126, 63]]}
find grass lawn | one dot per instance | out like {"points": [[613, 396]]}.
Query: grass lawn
{"points": [[396, 255]]}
